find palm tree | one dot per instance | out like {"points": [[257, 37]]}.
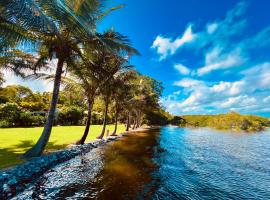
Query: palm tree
{"points": [[114, 70], [59, 29], [122, 94], [96, 68], [146, 98]]}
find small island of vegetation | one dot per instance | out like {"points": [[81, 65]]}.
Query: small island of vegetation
{"points": [[229, 121]]}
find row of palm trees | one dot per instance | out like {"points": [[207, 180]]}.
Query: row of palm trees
{"points": [[35, 32]]}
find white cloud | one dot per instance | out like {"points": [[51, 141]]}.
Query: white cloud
{"points": [[247, 95], [216, 60], [187, 82], [226, 49], [166, 46], [238, 101], [182, 69], [211, 28], [266, 99]]}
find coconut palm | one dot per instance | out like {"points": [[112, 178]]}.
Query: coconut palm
{"points": [[59, 29], [96, 69], [114, 70], [122, 94]]}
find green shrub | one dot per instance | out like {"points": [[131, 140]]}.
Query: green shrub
{"points": [[4, 124], [26, 119], [39, 120], [70, 115], [10, 112]]}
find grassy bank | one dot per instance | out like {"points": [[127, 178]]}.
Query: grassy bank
{"points": [[15, 141]]}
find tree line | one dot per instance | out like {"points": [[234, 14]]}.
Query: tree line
{"points": [[91, 65], [229, 121]]}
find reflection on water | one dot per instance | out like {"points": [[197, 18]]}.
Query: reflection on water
{"points": [[173, 163]]}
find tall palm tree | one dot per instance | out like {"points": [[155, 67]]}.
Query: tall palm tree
{"points": [[95, 70], [122, 94], [108, 90], [59, 29]]}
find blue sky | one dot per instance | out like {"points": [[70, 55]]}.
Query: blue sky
{"points": [[212, 56]]}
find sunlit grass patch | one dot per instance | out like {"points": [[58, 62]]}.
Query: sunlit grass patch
{"points": [[15, 141]]}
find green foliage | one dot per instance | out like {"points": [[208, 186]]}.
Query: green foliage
{"points": [[10, 112], [230, 121], [33, 106], [176, 120], [70, 116], [4, 124], [157, 117], [27, 119], [12, 115]]}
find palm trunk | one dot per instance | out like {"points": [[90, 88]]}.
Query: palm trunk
{"points": [[139, 121], [105, 120], [88, 121], [115, 125], [39, 147], [134, 123], [127, 127]]}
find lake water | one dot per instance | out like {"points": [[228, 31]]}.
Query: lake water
{"points": [[172, 163]]}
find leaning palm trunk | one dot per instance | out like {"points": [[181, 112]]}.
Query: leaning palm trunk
{"points": [[88, 121], [128, 121], [39, 147], [104, 121], [138, 122], [115, 125], [134, 123]]}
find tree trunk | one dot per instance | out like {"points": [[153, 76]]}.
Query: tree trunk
{"points": [[134, 123], [139, 120], [115, 125], [88, 121], [39, 147], [105, 120], [127, 127]]}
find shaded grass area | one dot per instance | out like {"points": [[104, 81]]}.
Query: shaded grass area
{"points": [[15, 141]]}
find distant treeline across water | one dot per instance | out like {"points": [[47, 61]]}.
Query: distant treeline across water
{"points": [[230, 121]]}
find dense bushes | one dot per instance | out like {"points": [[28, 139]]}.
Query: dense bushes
{"points": [[70, 116], [157, 117], [9, 114], [177, 120], [12, 115]]}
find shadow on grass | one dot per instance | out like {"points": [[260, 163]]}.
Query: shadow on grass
{"points": [[12, 156]]}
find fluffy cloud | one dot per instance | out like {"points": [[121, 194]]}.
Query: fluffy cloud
{"points": [[167, 46], [225, 48], [248, 95], [219, 40], [182, 69], [187, 82], [215, 60]]}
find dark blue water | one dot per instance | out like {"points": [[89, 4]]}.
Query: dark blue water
{"points": [[207, 164], [173, 163]]}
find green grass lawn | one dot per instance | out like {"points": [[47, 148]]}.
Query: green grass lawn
{"points": [[15, 141]]}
